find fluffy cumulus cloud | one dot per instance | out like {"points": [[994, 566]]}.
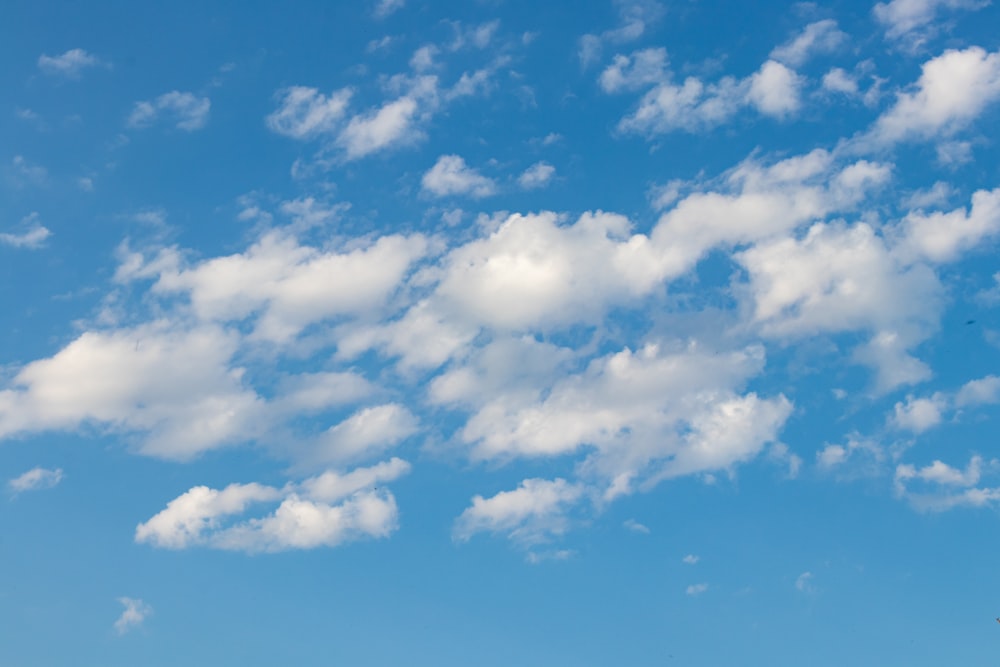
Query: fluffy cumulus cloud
{"points": [[532, 513], [69, 64], [35, 479], [282, 284], [451, 176], [952, 91], [186, 111], [173, 386], [325, 510]]}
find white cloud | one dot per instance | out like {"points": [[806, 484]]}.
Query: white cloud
{"points": [[286, 285], [643, 416], [774, 90], [173, 385], [636, 527], [368, 432], [384, 8], [326, 510], [907, 18], [864, 456], [530, 514], [954, 88], [537, 175], [919, 414], [35, 479], [690, 559], [696, 589], [33, 236], [451, 176], [394, 123], [816, 38], [135, 613], [941, 473], [945, 236], [984, 391], [423, 58], [69, 64], [641, 69], [837, 80], [695, 106], [185, 110], [803, 583], [25, 173], [634, 16], [305, 112], [942, 487]]}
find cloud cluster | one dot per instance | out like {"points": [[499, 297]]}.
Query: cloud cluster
{"points": [[186, 111], [325, 510]]}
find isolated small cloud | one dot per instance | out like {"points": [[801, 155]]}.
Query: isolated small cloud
{"points": [[136, 611], [185, 110], [68, 64], [32, 237], [635, 526], [696, 589], [803, 583], [690, 559], [451, 176], [536, 176], [36, 479]]}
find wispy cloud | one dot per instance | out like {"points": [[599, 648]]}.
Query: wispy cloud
{"points": [[36, 479], [186, 111], [69, 64], [133, 615]]}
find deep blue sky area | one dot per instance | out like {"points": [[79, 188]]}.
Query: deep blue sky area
{"points": [[397, 332]]}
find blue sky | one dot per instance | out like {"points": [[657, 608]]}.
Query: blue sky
{"points": [[399, 332]]}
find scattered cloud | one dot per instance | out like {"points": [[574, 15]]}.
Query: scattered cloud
{"points": [[953, 89], [694, 106], [531, 514], [635, 17], [816, 38], [321, 511], [450, 176], [913, 21], [69, 64], [690, 559], [696, 589], [32, 237], [36, 479], [804, 583], [536, 176], [305, 112], [636, 527], [186, 111], [133, 616], [384, 8]]}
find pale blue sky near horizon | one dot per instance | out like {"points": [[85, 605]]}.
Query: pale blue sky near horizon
{"points": [[625, 332]]}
